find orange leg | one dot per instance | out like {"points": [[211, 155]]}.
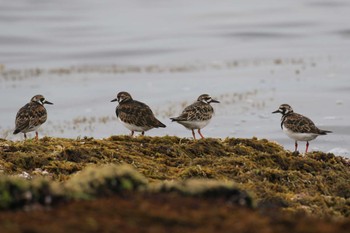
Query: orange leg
{"points": [[194, 136], [307, 147], [36, 135], [199, 131]]}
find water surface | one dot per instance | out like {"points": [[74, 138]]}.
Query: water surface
{"points": [[251, 56]]}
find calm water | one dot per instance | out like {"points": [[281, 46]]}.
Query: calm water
{"points": [[249, 55]]}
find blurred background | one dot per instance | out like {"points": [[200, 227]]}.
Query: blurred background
{"points": [[250, 55]]}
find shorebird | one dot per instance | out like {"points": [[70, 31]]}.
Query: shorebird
{"points": [[298, 127], [135, 115], [197, 115], [31, 116]]}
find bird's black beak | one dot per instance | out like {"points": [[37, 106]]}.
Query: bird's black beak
{"points": [[214, 101], [47, 102], [114, 100], [277, 111]]}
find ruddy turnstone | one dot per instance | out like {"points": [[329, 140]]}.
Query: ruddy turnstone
{"points": [[134, 115], [197, 115], [298, 127], [31, 116]]}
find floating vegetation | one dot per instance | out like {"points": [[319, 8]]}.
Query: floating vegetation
{"points": [[21, 74]]}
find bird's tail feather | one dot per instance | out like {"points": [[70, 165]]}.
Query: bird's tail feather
{"points": [[160, 124], [175, 119], [324, 132], [16, 131]]}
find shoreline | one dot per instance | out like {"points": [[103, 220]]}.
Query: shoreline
{"points": [[249, 177]]}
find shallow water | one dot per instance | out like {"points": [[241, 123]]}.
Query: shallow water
{"points": [[250, 56]]}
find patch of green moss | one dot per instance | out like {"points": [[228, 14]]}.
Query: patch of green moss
{"points": [[16, 192], [206, 147], [12, 192], [197, 172], [252, 146], [62, 169], [257, 165], [104, 180], [206, 188]]}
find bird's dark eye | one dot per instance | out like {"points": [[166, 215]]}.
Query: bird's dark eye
{"points": [[42, 100]]}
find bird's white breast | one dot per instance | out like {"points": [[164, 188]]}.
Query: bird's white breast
{"points": [[194, 124], [299, 136], [34, 128], [134, 127]]}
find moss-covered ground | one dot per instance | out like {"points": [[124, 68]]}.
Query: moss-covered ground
{"points": [[157, 184]]}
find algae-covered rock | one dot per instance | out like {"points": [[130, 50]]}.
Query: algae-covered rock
{"points": [[206, 188], [12, 191], [16, 192], [95, 181], [316, 182]]}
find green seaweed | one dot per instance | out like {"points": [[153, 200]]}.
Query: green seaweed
{"points": [[104, 180], [316, 183]]}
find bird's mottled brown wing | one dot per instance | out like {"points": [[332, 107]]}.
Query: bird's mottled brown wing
{"points": [[22, 118], [197, 111], [30, 116], [301, 124], [138, 114]]}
